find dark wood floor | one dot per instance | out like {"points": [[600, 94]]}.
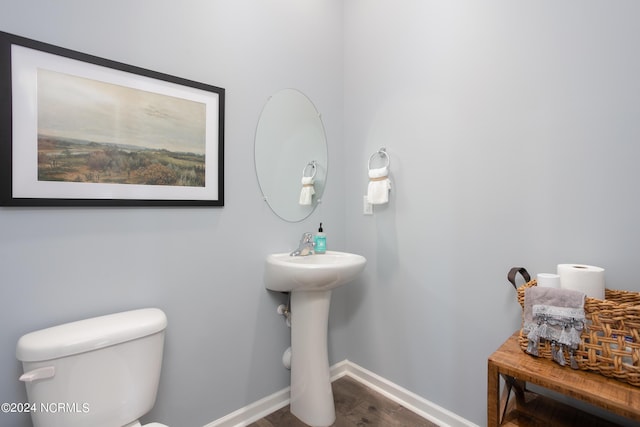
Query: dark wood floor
{"points": [[356, 405]]}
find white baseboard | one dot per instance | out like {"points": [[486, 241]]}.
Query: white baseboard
{"points": [[421, 406], [426, 409], [254, 411]]}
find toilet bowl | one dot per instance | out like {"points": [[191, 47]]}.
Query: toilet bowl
{"points": [[98, 372]]}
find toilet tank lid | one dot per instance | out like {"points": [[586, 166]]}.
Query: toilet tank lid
{"points": [[89, 334]]}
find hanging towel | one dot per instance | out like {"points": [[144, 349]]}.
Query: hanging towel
{"points": [[379, 186], [556, 315], [307, 192]]}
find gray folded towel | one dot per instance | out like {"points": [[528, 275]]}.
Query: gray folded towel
{"points": [[556, 315], [550, 296]]}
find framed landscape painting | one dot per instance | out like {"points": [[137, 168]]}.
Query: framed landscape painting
{"points": [[79, 130]]}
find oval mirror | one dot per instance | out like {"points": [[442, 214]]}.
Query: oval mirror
{"points": [[291, 155]]}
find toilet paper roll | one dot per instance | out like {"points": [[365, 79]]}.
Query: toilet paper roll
{"points": [[584, 278], [548, 280]]}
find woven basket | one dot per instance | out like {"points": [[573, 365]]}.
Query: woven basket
{"points": [[610, 342]]}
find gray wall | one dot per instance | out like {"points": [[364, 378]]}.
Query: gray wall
{"points": [[511, 128], [203, 266], [513, 132]]}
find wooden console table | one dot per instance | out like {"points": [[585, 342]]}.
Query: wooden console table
{"points": [[518, 368]]}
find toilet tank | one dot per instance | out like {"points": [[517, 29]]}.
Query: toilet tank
{"points": [[99, 372]]}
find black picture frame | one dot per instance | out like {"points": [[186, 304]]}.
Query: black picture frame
{"points": [[80, 130]]}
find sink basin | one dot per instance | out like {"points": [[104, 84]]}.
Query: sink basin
{"points": [[317, 272]]}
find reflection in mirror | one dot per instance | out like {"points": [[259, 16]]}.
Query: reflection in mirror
{"points": [[291, 155]]}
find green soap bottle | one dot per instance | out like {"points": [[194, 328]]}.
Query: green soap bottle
{"points": [[321, 241]]}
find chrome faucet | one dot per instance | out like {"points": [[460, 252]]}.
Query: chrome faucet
{"points": [[305, 247]]}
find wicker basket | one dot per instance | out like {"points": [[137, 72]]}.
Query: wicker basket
{"points": [[610, 342]]}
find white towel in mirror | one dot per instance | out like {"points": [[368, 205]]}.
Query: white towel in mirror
{"points": [[307, 192]]}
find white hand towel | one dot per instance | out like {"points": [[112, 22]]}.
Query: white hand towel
{"points": [[379, 186], [307, 192]]}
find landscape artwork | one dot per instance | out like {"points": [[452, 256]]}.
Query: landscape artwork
{"points": [[90, 131]]}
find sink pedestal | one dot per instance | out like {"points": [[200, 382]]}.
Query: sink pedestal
{"points": [[310, 279], [311, 395]]}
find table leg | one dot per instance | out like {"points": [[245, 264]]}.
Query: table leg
{"points": [[493, 396]]}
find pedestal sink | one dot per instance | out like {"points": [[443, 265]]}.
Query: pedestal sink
{"points": [[310, 279]]}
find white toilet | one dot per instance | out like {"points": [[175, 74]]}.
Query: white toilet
{"points": [[99, 372]]}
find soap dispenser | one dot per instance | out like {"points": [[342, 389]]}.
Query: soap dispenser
{"points": [[321, 241]]}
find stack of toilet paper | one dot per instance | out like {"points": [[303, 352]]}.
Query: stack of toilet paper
{"points": [[587, 279]]}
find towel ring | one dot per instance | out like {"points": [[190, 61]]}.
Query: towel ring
{"points": [[314, 168], [382, 152]]}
